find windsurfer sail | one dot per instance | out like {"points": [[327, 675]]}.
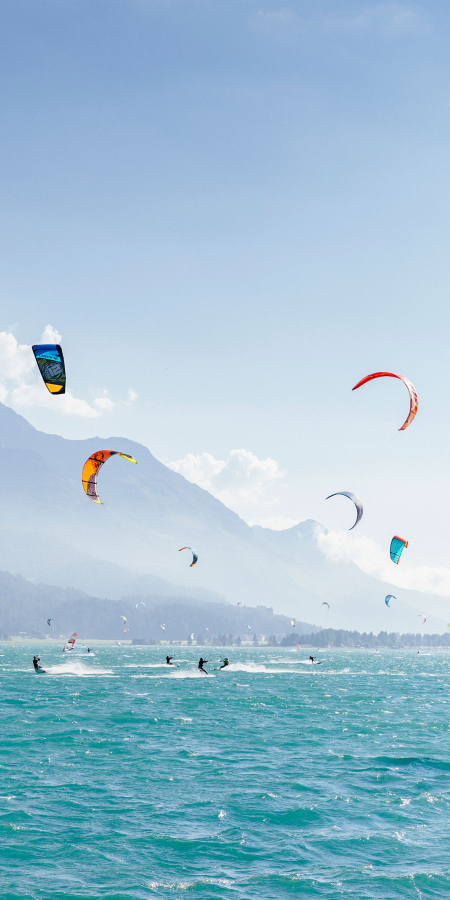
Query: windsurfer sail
{"points": [[69, 645]]}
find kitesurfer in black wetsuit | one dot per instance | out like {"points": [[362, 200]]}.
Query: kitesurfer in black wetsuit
{"points": [[226, 663], [89, 650], [36, 661], [312, 659], [201, 663], [168, 660]]}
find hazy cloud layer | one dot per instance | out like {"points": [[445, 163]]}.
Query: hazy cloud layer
{"points": [[22, 387], [385, 19], [243, 482], [372, 559]]}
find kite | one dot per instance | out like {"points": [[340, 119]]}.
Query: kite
{"points": [[293, 623], [356, 501], [50, 360], [397, 545], [91, 468], [163, 627], [413, 398], [192, 635], [421, 616], [325, 604], [194, 556], [448, 627], [241, 603], [49, 621], [124, 619], [390, 597], [141, 603]]}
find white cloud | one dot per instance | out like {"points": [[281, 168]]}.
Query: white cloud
{"points": [[104, 403], [50, 335], [243, 482], [339, 545], [277, 523], [27, 395], [21, 383], [16, 360], [387, 18]]}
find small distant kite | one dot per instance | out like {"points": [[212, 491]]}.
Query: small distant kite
{"points": [[50, 360], [194, 555], [397, 546], [124, 619], [192, 635], [325, 604], [241, 603], [91, 469], [293, 623], [388, 598], [421, 616], [49, 621], [163, 627], [448, 627], [356, 501], [413, 398], [141, 603]]}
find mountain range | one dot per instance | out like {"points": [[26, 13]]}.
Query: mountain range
{"points": [[51, 532]]}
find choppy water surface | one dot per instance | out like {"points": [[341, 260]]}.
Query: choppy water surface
{"points": [[123, 778]]}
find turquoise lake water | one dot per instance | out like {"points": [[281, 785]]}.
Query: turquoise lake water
{"points": [[123, 778]]}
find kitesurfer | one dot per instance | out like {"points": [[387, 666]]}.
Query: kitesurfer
{"points": [[36, 661], [226, 662], [312, 659], [89, 650], [169, 660], [201, 663]]}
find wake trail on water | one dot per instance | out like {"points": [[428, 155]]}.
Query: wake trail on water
{"points": [[75, 667]]}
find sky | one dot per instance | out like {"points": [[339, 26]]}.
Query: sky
{"points": [[229, 213]]}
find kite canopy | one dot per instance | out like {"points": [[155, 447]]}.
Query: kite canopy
{"points": [[124, 619], [49, 621], [91, 468], [325, 604], [413, 398], [390, 596], [293, 623], [397, 545], [356, 501], [421, 616], [194, 556], [50, 360]]}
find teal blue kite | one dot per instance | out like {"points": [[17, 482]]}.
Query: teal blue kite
{"points": [[397, 545]]}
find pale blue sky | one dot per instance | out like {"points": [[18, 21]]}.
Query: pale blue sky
{"points": [[237, 210]]}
